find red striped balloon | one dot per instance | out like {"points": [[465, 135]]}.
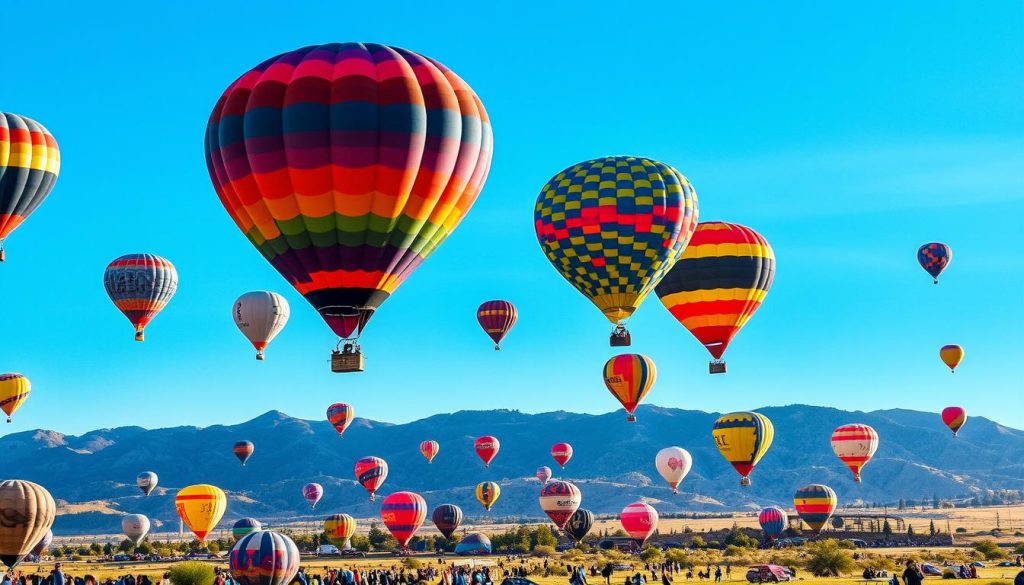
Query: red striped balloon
{"points": [[855, 445], [140, 285], [403, 514], [244, 450], [562, 453], [264, 558], [341, 416], [560, 500], [629, 377], [954, 417], [429, 450], [497, 319], [487, 449], [639, 520], [371, 473]]}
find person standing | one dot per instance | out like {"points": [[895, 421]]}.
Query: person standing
{"points": [[913, 575]]}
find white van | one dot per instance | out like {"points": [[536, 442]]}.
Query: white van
{"points": [[328, 550]]}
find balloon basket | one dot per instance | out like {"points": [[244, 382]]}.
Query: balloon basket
{"points": [[631, 418], [716, 367], [745, 482], [350, 359], [620, 337]]}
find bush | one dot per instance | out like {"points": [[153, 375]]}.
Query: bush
{"points": [[733, 550], [652, 554], [192, 573], [961, 530], [543, 550], [573, 554], [1019, 549], [948, 574], [827, 559], [698, 542], [411, 563], [678, 555], [990, 550], [558, 570], [737, 537]]}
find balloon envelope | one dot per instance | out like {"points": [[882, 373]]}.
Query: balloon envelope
{"points": [[544, 473], [140, 285], [497, 318], [447, 518], [429, 450], [487, 493], [312, 492], [561, 453], [339, 528], [855, 445], [815, 504], [264, 558], [773, 521], [629, 377], [487, 449], [14, 390], [559, 500], [579, 524], [147, 482], [201, 507], [743, 438], [371, 473], [135, 527], [403, 514], [43, 544], [934, 258], [245, 526], [27, 510], [951, 355], [954, 417], [243, 450], [260, 316], [341, 416], [639, 520], [29, 165], [673, 463]]}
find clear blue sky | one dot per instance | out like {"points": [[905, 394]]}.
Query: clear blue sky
{"points": [[847, 133]]}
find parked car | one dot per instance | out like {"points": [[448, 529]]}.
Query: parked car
{"points": [[978, 564], [402, 552], [122, 558], [622, 567], [353, 552], [1007, 564], [931, 570], [768, 574], [859, 543], [328, 550]]}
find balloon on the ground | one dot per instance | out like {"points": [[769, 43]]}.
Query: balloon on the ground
{"points": [[27, 511], [815, 504], [743, 438], [447, 518], [140, 285], [264, 558], [497, 318], [135, 527], [312, 492], [487, 449], [855, 445], [429, 450], [403, 514], [147, 482], [43, 544], [543, 473], [245, 526], [954, 417], [673, 463], [718, 283], [487, 493], [561, 453], [341, 415], [346, 165], [639, 520], [339, 528], [260, 316], [934, 258], [560, 500], [29, 165], [474, 543], [371, 473], [629, 377], [201, 507], [773, 521], [951, 355], [243, 450], [14, 390], [613, 227], [579, 524]]}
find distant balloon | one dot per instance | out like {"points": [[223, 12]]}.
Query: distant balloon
{"points": [[951, 355], [639, 520], [447, 518], [855, 445], [629, 377], [312, 492], [773, 520], [403, 514], [244, 450], [26, 514], [135, 527], [560, 500], [245, 526], [201, 507], [497, 319], [743, 438], [954, 417], [673, 464], [14, 389], [429, 450], [815, 504], [371, 473], [339, 529], [43, 544], [260, 316], [147, 481], [487, 449], [934, 258], [561, 453], [341, 416], [140, 285], [264, 558], [544, 473], [29, 164], [487, 493], [579, 524]]}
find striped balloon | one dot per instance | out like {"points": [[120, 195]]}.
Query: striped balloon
{"points": [[855, 445], [43, 544], [244, 450], [639, 520], [312, 492], [954, 417], [429, 450], [29, 164], [497, 319], [371, 473], [629, 377], [543, 474], [14, 390], [815, 504], [773, 521], [339, 528], [245, 526], [28, 511], [951, 355], [560, 500], [934, 258], [447, 518], [140, 285], [487, 493], [341, 416], [403, 514], [201, 507], [743, 438], [346, 165], [264, 558]]}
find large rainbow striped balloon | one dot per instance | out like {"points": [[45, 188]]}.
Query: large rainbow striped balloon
{"points": [[346, 165], [264, 558], [629, 377], [29, 164], [140, 285], [815, 504], [403, 514]]}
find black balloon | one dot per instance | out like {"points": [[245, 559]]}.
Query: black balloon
{"points": [[579, 524]]}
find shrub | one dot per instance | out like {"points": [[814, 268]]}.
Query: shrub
{"points": [[961, 530], [652, 554], [948, 574], [737, 537], [990, 550], [573, 554], [192, 573], [827, 559], [733, 550], [698, 542], [678, 555], [1019, 549], [543, 550], [411, 563], [558, 570]]}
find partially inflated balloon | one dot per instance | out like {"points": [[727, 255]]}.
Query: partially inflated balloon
{"points": [[346, 165], [264, 558], [773, 521], [147, 481], [613, 227], [543, 473], [260, 316], [201, 507], [447, 518], [312, 492], [497, 318], [559, 500], [815, 504], [855, 445], [43, 544], [29, 164], [243, 450], [579, 524], [743, 438], [639, 520], [341, 416], [673, 464], [14, 390], [954, 417], [934, 258], [26, 514], [140, 285], [487, 493], [245, 526], [487, 449], [629, 377], [561, 453], [339, 528], [951, 355], [371, 473], [403, 514], [135, 527], [429, 450]]}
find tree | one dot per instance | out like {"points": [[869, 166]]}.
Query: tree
{"points": [[737, 537], [989, 549], [108, 549], [96, 548], [887, 529], [936, 503], [652, 554], [910, 530], [931, 528], [379, 539], [828, 559], [144, 549], [902, 505]]}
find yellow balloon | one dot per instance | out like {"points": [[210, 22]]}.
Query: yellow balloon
{"points": [[743, 438], [487, 493], [339, 528], [201, 507], [14, 389]]}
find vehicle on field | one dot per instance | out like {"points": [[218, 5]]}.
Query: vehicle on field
{"points": [[768, 574]]}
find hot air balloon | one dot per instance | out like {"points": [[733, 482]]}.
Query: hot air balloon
{"points": [[244, 450], [487, 493], [140, 285], [339, 528], [260, 316], [854, 445], [629, 377], [951, 355], [27, 510], [14, 388], [403, 514], [934, 258], [29, 164], [613, 227], [245, 526], [264, 558], [718, 284], [954, 417], [743, 438], [312, 492], [579, 524], [146, 481], [639, 520], [815, 504], [43, 544], [135, 527], [673, 464], [497, 319], [544, 473], [773, 520], [429, 450], [346, 165], [371, 473], [341, 416], [561, 453], [559, 500], [447, 518], [201, 507], [487, 449]]}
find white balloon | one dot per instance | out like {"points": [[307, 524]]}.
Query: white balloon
{"points": [[673, 464], [260, 316], [544, 474], [135, 527]]}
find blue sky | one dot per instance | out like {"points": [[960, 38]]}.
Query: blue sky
{"points": [[847, 133]]}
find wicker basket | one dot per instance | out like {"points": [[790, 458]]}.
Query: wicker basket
{"points": [[620, 338], [351, 361], [716, 367]]}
